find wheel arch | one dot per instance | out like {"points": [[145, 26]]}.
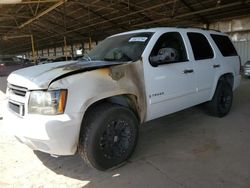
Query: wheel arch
{"points": [[128, 100], [226, 77], [101, 116]]}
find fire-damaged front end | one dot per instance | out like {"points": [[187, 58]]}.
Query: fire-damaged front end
{"points": [[46, 104]]}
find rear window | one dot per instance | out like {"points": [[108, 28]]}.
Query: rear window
{"points": [[200, 46], [225, 45]]}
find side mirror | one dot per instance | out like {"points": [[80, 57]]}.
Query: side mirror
{"points": [[164, 56]]}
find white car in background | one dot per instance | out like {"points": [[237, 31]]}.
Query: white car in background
{"points": [[10, 64], [247, 69], [43, 60]]}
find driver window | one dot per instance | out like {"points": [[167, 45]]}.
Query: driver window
{"points": [[168, 49]]}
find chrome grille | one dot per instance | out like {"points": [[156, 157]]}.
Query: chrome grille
{"points": [[17, 108], [17, 90], [17, 98]]}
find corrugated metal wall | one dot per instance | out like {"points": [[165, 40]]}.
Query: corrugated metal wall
{"points": [[243, 49]]}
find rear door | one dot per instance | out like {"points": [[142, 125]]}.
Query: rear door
{"points": [[206, 64], [230, 60]]}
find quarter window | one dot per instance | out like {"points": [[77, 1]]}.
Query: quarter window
{"points": [[225, 45], [200, 46]]}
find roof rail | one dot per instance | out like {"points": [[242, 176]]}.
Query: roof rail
{"points": [[187, 27]]}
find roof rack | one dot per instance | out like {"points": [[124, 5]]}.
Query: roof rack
{"points": [[187, 27]]}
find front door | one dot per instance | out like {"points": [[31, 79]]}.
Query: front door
{"points": [[169, 76]]}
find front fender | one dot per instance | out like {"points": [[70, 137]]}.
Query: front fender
{"points": [[85, 89]]}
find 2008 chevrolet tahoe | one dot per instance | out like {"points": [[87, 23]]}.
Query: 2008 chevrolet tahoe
{"points": [[94, 105]]}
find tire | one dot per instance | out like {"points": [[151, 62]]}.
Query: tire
{"points": [[109, 136], [222, 100]]}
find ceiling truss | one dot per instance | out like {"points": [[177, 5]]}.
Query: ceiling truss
{"points": [[49, 21]]}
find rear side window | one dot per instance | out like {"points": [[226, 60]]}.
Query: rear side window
{"points": [[200, 45], [225, 45]]}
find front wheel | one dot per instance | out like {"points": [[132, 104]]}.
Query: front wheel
{"points": [[222, 100], [109, 136]]}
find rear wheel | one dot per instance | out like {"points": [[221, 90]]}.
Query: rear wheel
{"points": [[222, 100], [109, 136]]}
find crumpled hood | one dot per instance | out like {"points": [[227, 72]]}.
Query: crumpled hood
{"points": [[40, 76]]}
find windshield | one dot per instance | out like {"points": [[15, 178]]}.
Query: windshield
{"points": [[127, 47]]}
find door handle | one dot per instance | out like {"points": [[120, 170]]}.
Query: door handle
{"points": [[216, 66], [188, 71]]}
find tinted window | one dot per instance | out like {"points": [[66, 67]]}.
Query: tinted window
{"points": [[169, 48], [225, 45], [200, 45]]}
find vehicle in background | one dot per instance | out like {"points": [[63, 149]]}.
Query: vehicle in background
{"points": [[78, 57], [247, 69], [62, 58], [10, 64], [43, 60], [27, 62]]}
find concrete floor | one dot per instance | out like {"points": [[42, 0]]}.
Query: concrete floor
{"points": [[187, 149]]}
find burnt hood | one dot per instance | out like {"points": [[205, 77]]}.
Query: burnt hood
{"points": [[40, 76]]}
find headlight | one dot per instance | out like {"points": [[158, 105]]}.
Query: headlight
{"points": [[47, 102]]}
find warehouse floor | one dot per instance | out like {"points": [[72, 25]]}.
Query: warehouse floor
{"points": [[186, 149]]}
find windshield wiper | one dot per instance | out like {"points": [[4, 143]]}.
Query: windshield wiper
{"points": [[87, 57], [122, 59], [109, 59]]}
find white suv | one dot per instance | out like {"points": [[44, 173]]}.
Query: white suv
{"points": [[94, 106]]}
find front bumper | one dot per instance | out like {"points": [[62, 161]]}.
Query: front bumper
{"points": [[56, 134]]}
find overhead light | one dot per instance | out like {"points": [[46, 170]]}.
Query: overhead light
{"points": [[10, 1]]}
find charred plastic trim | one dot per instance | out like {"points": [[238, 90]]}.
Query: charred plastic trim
{"points": [[80, 67]]}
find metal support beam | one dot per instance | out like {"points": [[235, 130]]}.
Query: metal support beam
{"points": [[102, 17], [65, 48], [42, 13], [83, 25], [33, 48], [72, 51], [24, 36], [4, 15], [28, 2], [115, 18], [90, 43], [135, 8], [192, 13], [15, 37], [202, 18]]}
